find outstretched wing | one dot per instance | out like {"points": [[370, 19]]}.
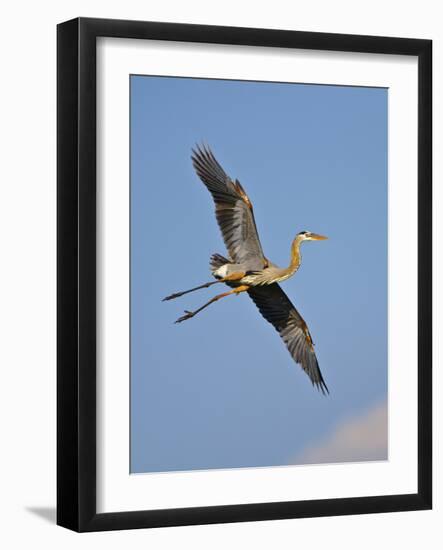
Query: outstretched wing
{"points": [[233, 209], [277, 308]]}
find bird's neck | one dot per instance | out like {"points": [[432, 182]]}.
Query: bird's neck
{"points": [[295, 255]]}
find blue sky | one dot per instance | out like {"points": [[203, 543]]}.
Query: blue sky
{"points": [[221, 390]]}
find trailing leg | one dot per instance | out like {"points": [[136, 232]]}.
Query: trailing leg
{"points": [[178, 294], [190, 314], [232, 277]]}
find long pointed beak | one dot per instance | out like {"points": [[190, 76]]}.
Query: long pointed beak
{"points": [[316, 237]]}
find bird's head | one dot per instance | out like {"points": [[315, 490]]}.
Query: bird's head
{"points": [[308, 236]]}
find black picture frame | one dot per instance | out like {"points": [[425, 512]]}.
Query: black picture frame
{"points": [[76, 279]]}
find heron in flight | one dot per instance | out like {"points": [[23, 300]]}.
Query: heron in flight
{"points": [[248, 270]]}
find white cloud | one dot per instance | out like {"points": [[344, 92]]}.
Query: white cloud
{"points": [[354, 440]]}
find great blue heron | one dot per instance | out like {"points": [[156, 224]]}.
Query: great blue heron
{"points": [[248, 269]]}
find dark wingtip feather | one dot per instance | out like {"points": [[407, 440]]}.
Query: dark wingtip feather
{"points": [[319, 383], [210, 172], [201, 152], [321, 386]]}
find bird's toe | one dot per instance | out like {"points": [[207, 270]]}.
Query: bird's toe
{"points": [[188, 315], [171, 297]]}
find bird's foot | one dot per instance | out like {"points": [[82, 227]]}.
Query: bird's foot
{"points": [[189, 315], [172, 296]]}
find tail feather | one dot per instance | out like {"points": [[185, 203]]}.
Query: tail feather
{"points": [[217, 260]]}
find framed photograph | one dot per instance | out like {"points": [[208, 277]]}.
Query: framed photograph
{"points": [[244, 274]]}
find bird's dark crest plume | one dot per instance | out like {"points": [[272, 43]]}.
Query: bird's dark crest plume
{"points": [[247, 269]]}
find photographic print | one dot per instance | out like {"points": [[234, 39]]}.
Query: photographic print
{"points": [[244, 260], [252, 344]]}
